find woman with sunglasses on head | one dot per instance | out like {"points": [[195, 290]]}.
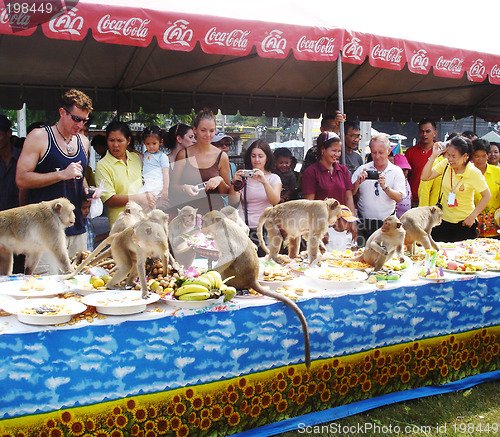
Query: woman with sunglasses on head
{"points": [[460, 180], [201, 173], [178, 138], [122, 172], [380, 185]]}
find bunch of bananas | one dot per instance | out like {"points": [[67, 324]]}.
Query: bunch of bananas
{"points": [[208, 285]]}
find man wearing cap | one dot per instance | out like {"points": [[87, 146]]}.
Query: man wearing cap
{"points": [[9, 194], [223, 141], [52, 164]]}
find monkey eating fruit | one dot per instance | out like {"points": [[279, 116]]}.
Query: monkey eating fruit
{"points": [[33, 229], [238, 258]]}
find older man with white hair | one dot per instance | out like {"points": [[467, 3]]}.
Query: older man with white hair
{"points": [[378, 187]]}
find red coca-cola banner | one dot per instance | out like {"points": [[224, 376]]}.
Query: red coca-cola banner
{"points": [[221, 35]]}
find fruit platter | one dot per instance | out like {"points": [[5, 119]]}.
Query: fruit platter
{"points": [[200, 291]]}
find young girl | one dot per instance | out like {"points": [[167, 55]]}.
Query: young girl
{"points": [[155, 166], [257, 192], [284, 159]]}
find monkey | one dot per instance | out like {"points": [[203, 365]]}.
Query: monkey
{"points": [[33, 229], [382, 244], [158, 216], [179, 229], [131, 247], [232, 214], [238, 258], [131, 215], [418, 224], [294, 219]]}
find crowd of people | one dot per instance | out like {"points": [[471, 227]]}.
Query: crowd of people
{"points": [[189, 165]]}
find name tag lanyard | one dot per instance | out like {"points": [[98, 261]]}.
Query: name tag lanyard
{"points": [[452, 197]]}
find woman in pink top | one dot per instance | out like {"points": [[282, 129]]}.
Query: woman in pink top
{"points": [[258, 191]]}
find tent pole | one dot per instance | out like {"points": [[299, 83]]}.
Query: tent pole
{"points": [[340, 87]]}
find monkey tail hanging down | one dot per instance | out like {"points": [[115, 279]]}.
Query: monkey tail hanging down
{"points": [[238, 258]]}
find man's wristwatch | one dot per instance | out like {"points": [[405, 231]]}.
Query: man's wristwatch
{"points": [[386, 189]]}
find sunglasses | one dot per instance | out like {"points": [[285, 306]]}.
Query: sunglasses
{"points": [[75, 118], [377, 192]]}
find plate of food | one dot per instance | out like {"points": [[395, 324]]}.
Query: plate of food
{"points": [[335, 277], [347, 263], [44, 311], [5, 299], [87, 284], [192, 304], [120, 302], [274, 274], [32, 286]]}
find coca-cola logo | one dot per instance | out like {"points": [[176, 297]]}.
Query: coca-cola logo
{"points": [[237, 39], [134, 28], [178, 33], [420, 61], [353, 49], [477, 69], [67, 22], [452, 65], [392, 55], [15, 20], [322, 46], [274, 42], [495, 71]]}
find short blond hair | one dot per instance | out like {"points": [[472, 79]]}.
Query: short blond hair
{"points": [[381, 138], [76, 98]]}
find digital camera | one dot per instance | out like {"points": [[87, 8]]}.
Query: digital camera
{"points": [[246, 173], [372, 174], [201, 186]]}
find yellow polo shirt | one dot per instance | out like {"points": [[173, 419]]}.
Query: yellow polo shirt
{"points": [[486, 219], [470, 181], [120, 178], [428, 191]]}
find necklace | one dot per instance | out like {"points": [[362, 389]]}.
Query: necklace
{"points": [[70, 148]]}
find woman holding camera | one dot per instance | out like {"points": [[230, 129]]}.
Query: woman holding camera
{"points": [[379, 186], [460, 180], [255, 190], [201, 172]]}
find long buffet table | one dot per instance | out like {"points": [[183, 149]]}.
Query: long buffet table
{"points": [[236, 367]]}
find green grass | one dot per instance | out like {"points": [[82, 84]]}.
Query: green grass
{"points": [[465, 413]]}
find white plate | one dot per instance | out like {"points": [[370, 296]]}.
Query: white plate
{"points": [[475, 272], [315, 273], [71, 308], [193, 304], [441, 279], [51, 287], [5, 299], [119, 302]]}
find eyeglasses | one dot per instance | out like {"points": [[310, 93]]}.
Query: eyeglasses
{"points": [[224, 143], [358, 136], [75, 118], [377, 192]]}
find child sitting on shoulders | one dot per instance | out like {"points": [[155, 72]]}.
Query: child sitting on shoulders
{"points": [[283, 160]]}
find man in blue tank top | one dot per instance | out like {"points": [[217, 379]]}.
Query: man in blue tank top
{"points": [[52, 164]]}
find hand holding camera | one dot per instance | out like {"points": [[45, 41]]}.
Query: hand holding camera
{"points": [[373, 174], [246, 173]]}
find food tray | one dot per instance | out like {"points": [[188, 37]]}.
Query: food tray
{"points": [[119, 302]]}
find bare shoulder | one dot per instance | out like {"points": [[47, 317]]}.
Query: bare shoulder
{"points": [[35, 145]]}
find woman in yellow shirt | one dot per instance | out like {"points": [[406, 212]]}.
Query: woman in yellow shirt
{"points": [[486, 220], [460, 180]]}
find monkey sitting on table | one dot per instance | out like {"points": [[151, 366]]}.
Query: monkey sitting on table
{"points": [[418, 224], [238, 258], [179, 229], [294, 219], [33, 229], [382, 244]]}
